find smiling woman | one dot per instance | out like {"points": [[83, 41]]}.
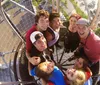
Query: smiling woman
{"points": [[76, 77], [49, 73], [24, 18]]}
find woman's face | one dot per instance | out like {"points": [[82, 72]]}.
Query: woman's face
{"points": [[79, 63], [73, 25], [47, 67], [71, 74], [72, 20]]}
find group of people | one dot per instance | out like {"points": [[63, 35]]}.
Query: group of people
{"points": [[41, 38]]}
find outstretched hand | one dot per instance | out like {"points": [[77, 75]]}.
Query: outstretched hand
{"points": [[34, 60]]}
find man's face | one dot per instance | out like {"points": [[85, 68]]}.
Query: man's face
{"points": [[41, 44], [56, 23], [82, 31], [43, 23]]}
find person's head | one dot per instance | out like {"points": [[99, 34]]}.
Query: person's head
{"points": [[44, 70], [80, 78], [73, 18], [38, 40], [76, 77], [72, 21], [54, 20], [42, 20], [83, 29], [81, 63]]}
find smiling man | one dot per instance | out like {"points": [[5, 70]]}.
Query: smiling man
{"points": [[91, 44], [41, 24]]}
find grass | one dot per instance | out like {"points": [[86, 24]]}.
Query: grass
{"points": [[97, 31], [34, 2]]}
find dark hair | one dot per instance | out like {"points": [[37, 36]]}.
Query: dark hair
{"points": [[41, 13], [53, 15], [41, 74], [85, 64], [38, 36]]}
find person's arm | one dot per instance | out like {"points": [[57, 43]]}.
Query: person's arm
{"points": [[46, 83], [29, 68], [28, 44], [88, 73], [34, 60], [28, 54], [88, 69]]}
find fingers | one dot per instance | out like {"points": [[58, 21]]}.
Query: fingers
{"points": [[34, 60]]}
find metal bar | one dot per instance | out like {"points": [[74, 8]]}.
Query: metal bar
{"points": [[22, 7], [61, 56], [16, 83], [12, 25], [4, 53], [7, 65], [68, 64], [3, 2]]}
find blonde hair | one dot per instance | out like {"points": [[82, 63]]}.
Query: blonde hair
{"points": [[80, 78]]}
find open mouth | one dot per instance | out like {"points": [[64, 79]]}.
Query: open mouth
{"points": [[81, 33]]}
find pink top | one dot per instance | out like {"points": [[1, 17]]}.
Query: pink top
{"points": [[92, 47], [28, 41]]}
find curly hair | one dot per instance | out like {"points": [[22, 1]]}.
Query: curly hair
{"points": [[41, 13], [53, 15]]}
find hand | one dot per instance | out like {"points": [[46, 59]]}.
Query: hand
{"points": [[34, 60]]}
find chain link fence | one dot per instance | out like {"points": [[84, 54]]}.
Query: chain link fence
{"points": [[9, 40]]}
